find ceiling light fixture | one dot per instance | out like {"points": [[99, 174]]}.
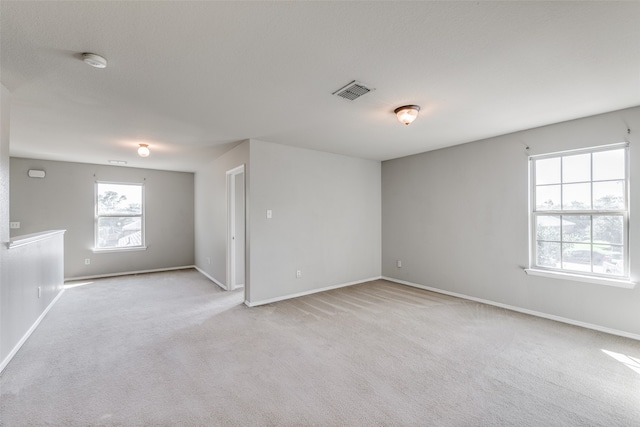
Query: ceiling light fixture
{"points": [[407, 113], [94, 60], [143, 150]]}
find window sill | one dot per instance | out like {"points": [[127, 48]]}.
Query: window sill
{"points": [[137, 248], [618, 283]]}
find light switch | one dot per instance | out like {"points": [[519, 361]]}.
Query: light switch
{"points": [[14, 225], [269, 214]]}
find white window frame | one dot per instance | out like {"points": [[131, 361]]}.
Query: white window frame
{"points": [[142, 216], [560, 273]]}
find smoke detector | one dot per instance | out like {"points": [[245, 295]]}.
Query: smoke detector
{"points": [[353, 91], [94, 60]]}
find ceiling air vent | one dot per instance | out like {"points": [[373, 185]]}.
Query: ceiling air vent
{"points": [[353, 90]]}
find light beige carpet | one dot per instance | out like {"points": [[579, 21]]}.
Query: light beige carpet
{"points": [[174, 349]]}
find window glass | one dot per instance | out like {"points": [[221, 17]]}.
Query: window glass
{"points": [[608, 195], [548, 171], [576, 228], [608, 165], [548, 197], [576, 168], [576, 196]]}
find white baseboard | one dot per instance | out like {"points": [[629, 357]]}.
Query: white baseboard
{"points": [[128, 273], [33, 327], [211, 278], [521, 310], [312, 291]]}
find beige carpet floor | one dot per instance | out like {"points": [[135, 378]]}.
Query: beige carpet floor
{"points": [[173, 349]]}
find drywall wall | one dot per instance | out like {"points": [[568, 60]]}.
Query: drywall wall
{"points": [[65, 199], [211, 212], [36, 280], [457, 218], [5, 104], [326, 220]]}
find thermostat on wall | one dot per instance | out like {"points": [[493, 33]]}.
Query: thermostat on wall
{"points": [[35, 173]]}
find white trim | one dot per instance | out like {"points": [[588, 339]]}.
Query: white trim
{"points": [[595, 149], [28, 239], [231, 222], [312, 291], [119, 249], [26, 336], [128, 273], [211, 278], [618, 283], [521, 310]]}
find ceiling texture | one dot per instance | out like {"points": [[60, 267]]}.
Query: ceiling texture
{"points": [[192, 78]]}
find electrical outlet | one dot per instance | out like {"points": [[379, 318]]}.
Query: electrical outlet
{"points": [[87, 261], [208, 260], [269, 214], [39, 291], [399, 264], [298, 273]]}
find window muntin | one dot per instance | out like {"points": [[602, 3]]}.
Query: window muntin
{"points": [[579, 216], [119, 220]]}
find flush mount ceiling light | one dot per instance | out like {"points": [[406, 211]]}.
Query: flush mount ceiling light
{"points": [[94, 60], [143, 150], [407, 113]]}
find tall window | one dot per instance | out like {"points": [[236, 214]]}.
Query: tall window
{"points": [[119, 220], [579, 212]]}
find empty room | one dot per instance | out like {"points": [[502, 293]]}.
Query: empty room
{"points": [[327, 213]]}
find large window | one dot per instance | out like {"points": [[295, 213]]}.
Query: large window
{"points": [[119, 222], [579, 212]]}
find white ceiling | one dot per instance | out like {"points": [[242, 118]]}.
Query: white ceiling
{"points": [[189, 78]]}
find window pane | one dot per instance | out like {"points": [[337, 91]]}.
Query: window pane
{"points": [[608, 195], [119, 232], [576, 228], [612, 262], [548, 227], [576, 196], [608, 165], [548, 254], [548, 171], [576, 256], [119, 199], [576, 168], [608, 229], [548, 197]]}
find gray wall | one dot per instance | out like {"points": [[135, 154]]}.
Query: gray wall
{"points": [[458, 220], [211, 211], [65, 199], [5, 345], [326, 220]]}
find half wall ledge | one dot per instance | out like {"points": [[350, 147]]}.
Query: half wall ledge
{"points": [[28, 239]]}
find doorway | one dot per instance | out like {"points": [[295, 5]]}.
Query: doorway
{"points": [[236, 228]]}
